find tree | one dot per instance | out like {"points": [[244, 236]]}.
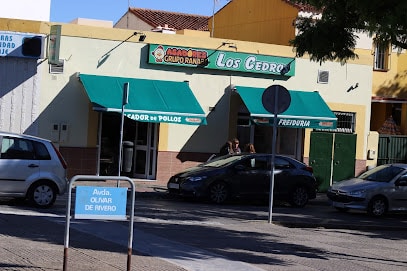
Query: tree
{"points": [[333, 37]]}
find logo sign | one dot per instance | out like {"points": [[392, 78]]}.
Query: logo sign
{"points": [[220, 60], [95, 202]]}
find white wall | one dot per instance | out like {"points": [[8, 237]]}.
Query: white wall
{"points": [[37, 10]]}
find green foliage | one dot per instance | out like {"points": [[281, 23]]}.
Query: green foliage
{"points": [[333, 37]]}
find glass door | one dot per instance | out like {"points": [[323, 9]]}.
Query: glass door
{"points": [[145, 150]]}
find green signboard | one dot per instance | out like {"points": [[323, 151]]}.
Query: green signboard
{"points": [[220, 60], [177, 118]]}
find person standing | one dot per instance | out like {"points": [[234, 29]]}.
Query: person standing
{"points": [[226, 148], [249, 147], [235, 146]]}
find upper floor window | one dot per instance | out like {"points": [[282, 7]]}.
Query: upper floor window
{"points": [[381, 56]]}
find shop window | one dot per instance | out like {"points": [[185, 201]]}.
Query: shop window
{"points": [[381, 56]]}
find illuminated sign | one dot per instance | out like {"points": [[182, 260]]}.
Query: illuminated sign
{"points": [[220, 60]]}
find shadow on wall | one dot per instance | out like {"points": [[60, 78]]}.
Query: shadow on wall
{"points": [[17, 76], [207, 139], [397, 87]]}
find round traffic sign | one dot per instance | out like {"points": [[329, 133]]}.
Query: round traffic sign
{"points": [[276, 99]]}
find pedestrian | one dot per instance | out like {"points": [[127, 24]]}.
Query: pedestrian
{"points": [[249, 147], [235, 146], [226, 148]]}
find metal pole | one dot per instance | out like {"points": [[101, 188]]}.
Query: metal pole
{"points": [[99, 143], [67, 224], [273, 155], [124, 102], [121, 143]]}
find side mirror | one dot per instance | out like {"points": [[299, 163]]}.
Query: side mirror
{"points": [[402, 181]]}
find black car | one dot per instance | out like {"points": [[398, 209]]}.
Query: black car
{"points": [[246, 175]]}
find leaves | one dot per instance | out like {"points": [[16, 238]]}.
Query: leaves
{"points": [[334, 36]]}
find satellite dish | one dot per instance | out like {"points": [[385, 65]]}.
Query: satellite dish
{"points": [[276, 99]]}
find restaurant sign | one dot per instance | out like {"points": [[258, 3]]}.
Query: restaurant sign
{"points": [[297, 122], [177, 118], [220, 60]]}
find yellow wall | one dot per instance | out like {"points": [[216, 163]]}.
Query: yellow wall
{"points": [[268, 21]]}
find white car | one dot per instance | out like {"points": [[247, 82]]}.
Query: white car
{"points": [[31, 168], [378, 191]]}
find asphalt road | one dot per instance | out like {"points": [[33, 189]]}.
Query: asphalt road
{"points": [[237, 236]]}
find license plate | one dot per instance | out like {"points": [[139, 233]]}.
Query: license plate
{"points": [[173, 185]]}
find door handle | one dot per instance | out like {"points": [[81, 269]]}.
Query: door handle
{"points": [[33, 165]]}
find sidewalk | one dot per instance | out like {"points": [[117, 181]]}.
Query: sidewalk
{"points": [[40, 246]]}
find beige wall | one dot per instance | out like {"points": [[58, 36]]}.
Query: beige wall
{"points": [[82, 48]]}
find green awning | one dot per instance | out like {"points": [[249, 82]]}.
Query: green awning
{"points": [[148, 101], [306, 110]]}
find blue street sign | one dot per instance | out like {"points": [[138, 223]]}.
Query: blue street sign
{"points": [[95, 202]]}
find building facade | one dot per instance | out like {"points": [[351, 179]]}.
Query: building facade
{"points": [[65, 105]]}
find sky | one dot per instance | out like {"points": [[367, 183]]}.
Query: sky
{"points": [[64, 11]]}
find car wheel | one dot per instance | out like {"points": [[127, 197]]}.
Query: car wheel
{"points": [[377, 206], [42, 194], [218, 192], [299, 197]]}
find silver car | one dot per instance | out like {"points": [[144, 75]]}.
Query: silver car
{"points": [[31, 168], [378, 191]]}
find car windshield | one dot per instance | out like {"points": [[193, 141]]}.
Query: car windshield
{"points": [[223, 161], [383, 173]]}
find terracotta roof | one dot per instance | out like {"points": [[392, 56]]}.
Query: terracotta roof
{"points": [[177, 21], [302, 7]]}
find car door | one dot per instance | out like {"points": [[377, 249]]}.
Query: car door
{"points": [[253, 176], [399, 196], [17, 164], [282, 173]]}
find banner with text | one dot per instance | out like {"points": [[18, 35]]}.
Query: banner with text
{"points": [[220, 60]]}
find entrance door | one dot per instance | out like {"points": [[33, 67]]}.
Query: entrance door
{"points": [[320, 158], [344, 157], [145, 150], [332, 156]]}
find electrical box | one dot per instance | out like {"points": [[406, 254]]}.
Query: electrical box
{"points": [[63, 136], [371, 154], [55, 132]]}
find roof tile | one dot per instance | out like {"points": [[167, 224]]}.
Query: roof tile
{"points": [[177, 21]]}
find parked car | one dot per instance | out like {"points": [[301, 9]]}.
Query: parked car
{"points": [[246, 175], [377, 191], [31, 168]]}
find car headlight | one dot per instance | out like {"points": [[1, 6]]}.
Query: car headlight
{"points": [[195, 179], [357, 193]]}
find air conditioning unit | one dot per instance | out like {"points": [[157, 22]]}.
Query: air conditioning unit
{"points": [[323, 77], [57, 68]]}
